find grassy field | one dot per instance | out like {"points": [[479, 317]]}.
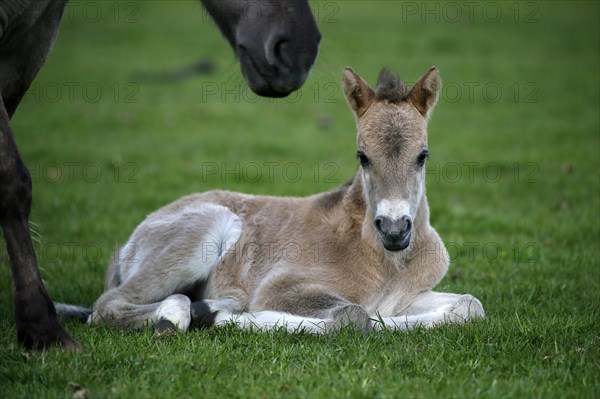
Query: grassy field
{"points": [[513, 184]]}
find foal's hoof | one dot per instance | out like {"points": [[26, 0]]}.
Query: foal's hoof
{"points": [[354, 316], [202, 316], [164, 327]]}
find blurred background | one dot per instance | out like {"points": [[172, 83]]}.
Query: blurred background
{"points": [[513, 174]]}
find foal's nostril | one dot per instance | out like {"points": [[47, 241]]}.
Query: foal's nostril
{"points": [[391, 228], [378, 221], [407, 223]]}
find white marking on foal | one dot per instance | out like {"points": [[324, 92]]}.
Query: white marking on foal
{"points": [[224, 234], [393, 210], [176, 309], [272, 320], [435, 308], [222, 230]]}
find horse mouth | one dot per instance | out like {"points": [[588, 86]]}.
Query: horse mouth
{"points": [[396, 243], [265, 82]]}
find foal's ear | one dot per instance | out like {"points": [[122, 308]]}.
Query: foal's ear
{"points": [[358, 92], [425, 92]]}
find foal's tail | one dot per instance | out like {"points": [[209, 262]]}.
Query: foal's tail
{"points": [[72, 311]]}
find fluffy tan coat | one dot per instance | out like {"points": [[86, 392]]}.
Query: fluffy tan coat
{"points": [[363, 254]]}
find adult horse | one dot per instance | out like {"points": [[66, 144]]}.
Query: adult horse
{"points": [[275, 41]]}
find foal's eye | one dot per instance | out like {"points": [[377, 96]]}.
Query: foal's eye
{"points": [[364, 161], [422, 157]]}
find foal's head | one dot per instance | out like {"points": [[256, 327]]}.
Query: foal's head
{"points": [[392, 149]]}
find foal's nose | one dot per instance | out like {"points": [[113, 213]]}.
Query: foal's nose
{"points": [[393, 228]]}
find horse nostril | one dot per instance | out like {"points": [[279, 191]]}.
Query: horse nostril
{"points": [[378, 221], [278, 52], [407, 223]]}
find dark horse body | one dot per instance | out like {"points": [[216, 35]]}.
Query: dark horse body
{"points": [[276, 46]]}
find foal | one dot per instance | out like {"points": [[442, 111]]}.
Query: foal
{"points": [[363, 254]]}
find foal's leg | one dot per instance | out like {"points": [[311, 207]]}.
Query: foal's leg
{"points": [[23, 50], [176, 251], [128, 307], [267, 320], [291, 302], [434, 308], [151, 295], [152, 299]]}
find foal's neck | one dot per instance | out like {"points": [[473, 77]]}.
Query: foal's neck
{"points": [[354, 200], [360, 214]]}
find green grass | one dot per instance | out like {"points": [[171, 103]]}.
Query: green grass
{"points": [[524, 242]]}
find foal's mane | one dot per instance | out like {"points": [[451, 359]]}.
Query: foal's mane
{"points": [[391, 88]]}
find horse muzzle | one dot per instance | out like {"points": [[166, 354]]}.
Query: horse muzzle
{"points": [[395, 234], [271, 80], [279, 64]]}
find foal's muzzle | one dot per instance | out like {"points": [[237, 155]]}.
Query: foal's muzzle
{"points": [[394, 234]]}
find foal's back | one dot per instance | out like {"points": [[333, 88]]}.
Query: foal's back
{"points": [[316, 238]]}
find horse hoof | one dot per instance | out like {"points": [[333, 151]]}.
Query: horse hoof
{"points": [[71, 345], [202, 316], [164, 327], [41, 337], [45, 343]]}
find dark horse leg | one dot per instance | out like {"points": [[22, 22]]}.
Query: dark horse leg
{"points": [[22, 53]]}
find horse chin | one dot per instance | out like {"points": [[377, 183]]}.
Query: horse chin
{"points": [[396, 246], [262, 82]]}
